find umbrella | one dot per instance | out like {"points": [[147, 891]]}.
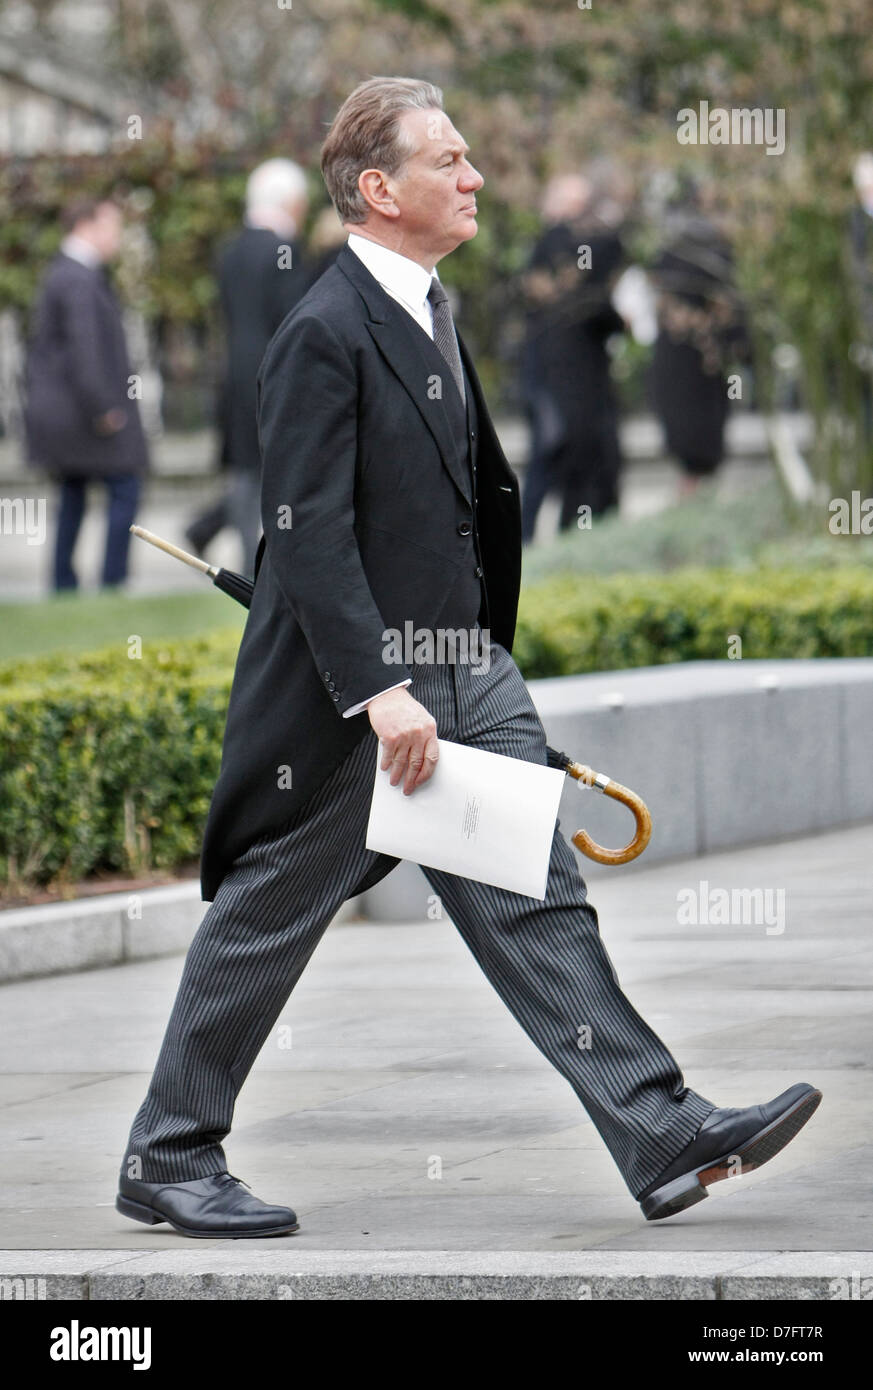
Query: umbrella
{"points": [[236, 585], [240, 588]]}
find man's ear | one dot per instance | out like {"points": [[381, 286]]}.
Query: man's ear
{"points": [[378, 192]]}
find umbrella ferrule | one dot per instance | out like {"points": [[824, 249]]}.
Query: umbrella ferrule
{"points": [[593, 782]]}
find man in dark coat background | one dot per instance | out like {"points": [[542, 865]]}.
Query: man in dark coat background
{"points": [[860, 228], [261, 276], [566, 379], [701, 331], [386, 501], [81, 416]]}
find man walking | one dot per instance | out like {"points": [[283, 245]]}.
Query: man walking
{"points": [[81, 416], [386, 499]]}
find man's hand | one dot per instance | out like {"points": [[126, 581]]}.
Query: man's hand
{"points": [[111, 422], [409, 738]]}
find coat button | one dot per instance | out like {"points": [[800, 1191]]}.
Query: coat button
{"points": [[331, 686], [478, 571], [335, 696], [464, 528], [326, 675]]}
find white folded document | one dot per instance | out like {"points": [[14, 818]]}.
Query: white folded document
{"points": [[481, 815]]}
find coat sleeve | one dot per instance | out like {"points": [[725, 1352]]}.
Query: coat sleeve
{"points": [[308, 423]]}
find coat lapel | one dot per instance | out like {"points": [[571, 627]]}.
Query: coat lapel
{"points": [[399, 343]]}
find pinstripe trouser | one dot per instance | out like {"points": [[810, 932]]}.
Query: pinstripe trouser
{"points": [[545, 959]]}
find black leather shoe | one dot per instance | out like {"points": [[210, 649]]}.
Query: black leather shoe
{"points": [[728, 1144], [215, 1207]]}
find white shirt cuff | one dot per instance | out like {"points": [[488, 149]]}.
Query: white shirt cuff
{"points": [[356, 709]]}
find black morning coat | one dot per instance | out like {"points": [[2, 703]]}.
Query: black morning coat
{"points": [[358, 444], [77, 369]]}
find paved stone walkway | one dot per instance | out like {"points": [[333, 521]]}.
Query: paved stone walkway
{"points": [[411, 1114]]}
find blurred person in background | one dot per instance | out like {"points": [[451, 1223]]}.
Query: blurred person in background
{"points": [[861, 246], [81, 422], [861, 229], [701, 331], [261, 276], [566, 379]]}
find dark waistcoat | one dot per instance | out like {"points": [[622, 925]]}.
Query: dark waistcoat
{"points": [[467, 601]]}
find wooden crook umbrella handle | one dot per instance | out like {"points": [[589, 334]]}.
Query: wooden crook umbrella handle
{"points": [[598, 782], [171, 549]]}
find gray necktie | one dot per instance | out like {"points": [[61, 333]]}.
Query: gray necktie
{"points": [[444, 333]]}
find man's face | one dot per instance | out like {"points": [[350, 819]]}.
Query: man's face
{"points": [[435, 191], [104, 231]]}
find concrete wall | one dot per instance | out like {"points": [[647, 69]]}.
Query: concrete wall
{"points": [[108, 929]]}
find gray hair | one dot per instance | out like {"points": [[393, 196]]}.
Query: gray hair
{"points": [[275, 183], [365, 134]]}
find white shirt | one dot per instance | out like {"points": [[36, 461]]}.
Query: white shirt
{"points": [[405, 280], [78, 249], [408, 283]]}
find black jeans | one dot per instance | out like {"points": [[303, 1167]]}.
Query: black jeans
{"points": [[122, 499]]}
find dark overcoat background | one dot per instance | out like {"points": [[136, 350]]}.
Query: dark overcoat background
{"points": [[77, 369], [256, 294], [701, 328], [358, 445], [566, 377]]}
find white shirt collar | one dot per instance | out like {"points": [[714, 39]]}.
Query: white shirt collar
{"points": [[80, 250], [404, 279]]}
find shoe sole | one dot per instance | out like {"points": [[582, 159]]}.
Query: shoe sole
{"points": [[683, 1192], [138, 1212]]}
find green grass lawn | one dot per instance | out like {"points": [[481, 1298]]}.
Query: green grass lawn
{"points": [[756, 529], [86, 622]]}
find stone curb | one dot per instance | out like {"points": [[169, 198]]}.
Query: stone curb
{"points": [[228, 1273], [113, 929]]}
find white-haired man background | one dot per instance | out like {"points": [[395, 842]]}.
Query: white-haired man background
{"points": [[261, 276]]}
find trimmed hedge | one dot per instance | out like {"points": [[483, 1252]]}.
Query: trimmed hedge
{"points": [[573, 624], [108, 763]]}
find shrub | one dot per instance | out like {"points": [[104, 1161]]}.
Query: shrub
{"points": [[108, 763], [576, 623]]}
